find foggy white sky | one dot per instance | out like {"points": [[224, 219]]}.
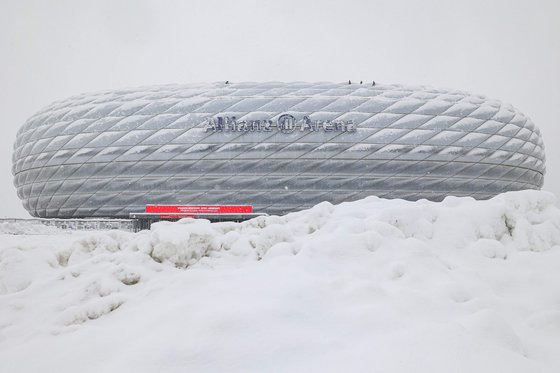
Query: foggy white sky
{"points": [[509, 50]]}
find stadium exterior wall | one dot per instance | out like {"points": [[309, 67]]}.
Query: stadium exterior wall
{"points": [[280, 147]]}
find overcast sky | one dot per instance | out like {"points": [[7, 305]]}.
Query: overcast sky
{"points": [[509, 50]]}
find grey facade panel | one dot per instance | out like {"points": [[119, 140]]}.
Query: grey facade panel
{"points": [[111, 153]]}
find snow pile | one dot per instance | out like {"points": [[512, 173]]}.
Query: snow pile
{"points": [[372, 285]]}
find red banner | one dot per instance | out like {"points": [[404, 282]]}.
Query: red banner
{"points": [[200, 209]]}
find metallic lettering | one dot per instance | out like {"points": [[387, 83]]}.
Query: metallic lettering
{"points": [[286, 124]]}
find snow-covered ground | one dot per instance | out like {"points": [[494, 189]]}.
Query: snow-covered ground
{"points": [[367, 286]]}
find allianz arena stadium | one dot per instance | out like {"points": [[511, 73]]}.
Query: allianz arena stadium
{"points": [[279, 147]]}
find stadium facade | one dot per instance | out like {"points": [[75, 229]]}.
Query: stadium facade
{"points": [[279, 147]]}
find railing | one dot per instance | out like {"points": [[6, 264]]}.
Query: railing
{"points": [[137, 222], [11, 225]]}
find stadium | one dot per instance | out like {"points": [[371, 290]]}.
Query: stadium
{"points": [[278, 147]]}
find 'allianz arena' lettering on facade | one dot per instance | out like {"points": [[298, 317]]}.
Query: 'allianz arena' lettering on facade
{"points": [[280, 147], [285, 123]]}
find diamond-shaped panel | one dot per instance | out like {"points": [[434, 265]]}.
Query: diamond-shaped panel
{"points": [[110, 153]]}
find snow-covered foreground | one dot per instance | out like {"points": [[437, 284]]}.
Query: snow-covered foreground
{"points": [[373, 285]]}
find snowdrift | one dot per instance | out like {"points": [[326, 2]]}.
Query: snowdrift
{"points": [[373, 285]]}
